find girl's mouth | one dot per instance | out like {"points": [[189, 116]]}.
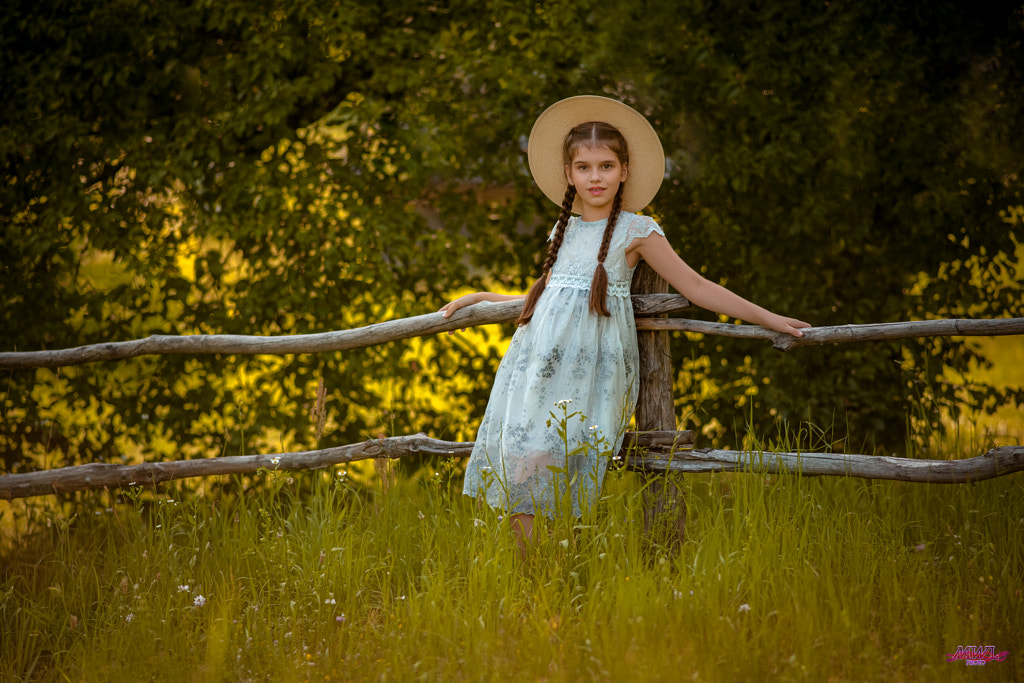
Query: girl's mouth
{"points": [[596, 190]]}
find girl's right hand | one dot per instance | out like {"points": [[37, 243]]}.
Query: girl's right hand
{"points": [[474, 298], [466, 300]]}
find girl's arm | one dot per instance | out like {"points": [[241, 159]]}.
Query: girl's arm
{"points": [[475, 298], [658, 253]]}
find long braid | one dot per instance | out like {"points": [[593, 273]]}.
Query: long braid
{"points": [[549, 262], [599, 284]]}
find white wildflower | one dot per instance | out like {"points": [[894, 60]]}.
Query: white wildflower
{"points": [[199, 601], [183, 588], [744, 608]]}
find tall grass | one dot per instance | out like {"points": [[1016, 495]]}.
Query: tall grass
{"points": [[311, 577]]}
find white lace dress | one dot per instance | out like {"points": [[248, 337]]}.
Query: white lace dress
{"points": [[537, 452]]}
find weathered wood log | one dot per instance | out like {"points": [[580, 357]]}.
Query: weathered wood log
{"points": [[949, 327], [485, 313], [655, 408], [657, 451], [996, 462], [102, 475], [664, 504], [647, 304]]}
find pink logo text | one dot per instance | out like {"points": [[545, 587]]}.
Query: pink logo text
{"points": [[976, 655]]}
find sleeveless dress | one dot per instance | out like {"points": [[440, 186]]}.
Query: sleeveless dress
{"points": [[569, 371]]}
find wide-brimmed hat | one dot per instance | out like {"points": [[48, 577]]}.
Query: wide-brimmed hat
{"points": [[646, 156]]}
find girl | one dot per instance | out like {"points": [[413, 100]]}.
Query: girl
{"points": [[576, 340]]}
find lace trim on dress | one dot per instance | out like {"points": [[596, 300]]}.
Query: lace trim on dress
{"points": [[618, 288], [641, 227]]}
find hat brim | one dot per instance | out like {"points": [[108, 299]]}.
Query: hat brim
{"points": [[646, 156]]}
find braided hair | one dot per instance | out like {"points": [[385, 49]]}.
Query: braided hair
{"points": [[590, 134], [556, 243], [599, 283]]}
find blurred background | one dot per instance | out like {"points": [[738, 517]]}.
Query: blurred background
{"points": [[283, 168]]}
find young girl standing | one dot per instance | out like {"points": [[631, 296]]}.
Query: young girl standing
{"points": [[576, 341]]}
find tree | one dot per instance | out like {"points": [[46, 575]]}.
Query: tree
{"points": [[845, 162], [289, 167], [237, 168]]}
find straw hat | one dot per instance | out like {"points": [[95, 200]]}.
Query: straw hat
{"points": [[646, 156]]}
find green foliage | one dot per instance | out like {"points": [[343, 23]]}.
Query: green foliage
{"points": [[237, 168], [290, 167], [850, 162]]}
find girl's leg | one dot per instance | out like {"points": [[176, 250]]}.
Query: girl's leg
{"points": [[522, 527]]}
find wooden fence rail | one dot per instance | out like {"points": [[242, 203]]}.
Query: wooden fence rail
{"points": [[817, 336], [643, 451], [645, 307], [101, 475], [341, 340], [658, 448]]}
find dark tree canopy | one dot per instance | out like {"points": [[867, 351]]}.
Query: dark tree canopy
{"points": [[288, 167]]}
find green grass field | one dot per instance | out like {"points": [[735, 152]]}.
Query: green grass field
{"points": [[333, 576], [316, 578]]}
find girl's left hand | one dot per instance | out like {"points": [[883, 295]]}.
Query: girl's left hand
{"points": [[786, 325]]}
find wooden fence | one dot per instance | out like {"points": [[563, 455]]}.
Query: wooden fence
{"points": [[656, 446]]}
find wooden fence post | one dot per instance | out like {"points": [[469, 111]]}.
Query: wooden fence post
{"points": [[664, 504]]}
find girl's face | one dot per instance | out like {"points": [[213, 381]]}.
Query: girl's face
{"points": [[596, 173]]}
